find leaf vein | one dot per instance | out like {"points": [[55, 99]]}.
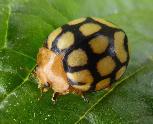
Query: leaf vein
{"points": [[20, 53], [24, 80], [7, 26], [111, 90]]}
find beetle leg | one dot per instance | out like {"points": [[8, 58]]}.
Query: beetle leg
{"points": [[41, 92], [85, 98], [54, 97], [43, 88], [78, 92]]}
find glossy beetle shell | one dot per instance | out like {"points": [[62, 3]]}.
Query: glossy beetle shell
{"points": [[95, 52]]}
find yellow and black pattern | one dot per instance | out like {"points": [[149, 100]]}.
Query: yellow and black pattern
{"points": [[95, 52]]}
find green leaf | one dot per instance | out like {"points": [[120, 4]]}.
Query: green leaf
{"points": [[25, 25]]}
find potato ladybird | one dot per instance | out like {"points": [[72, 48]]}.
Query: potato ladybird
{"points": [[85, 55]]}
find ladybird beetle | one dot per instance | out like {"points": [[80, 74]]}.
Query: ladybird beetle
{"points": [[87, 54]]}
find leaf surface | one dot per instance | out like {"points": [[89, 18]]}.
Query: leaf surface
{"points": [[25, 25]]}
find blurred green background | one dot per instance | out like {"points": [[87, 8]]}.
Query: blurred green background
{"points": [[25, 24]]}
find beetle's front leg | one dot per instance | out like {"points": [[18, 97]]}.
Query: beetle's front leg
{"points": [[55, 96]]}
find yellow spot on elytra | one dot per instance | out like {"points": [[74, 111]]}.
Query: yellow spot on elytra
{"points": [[120, 72], [82, 87], [103, 84], [119, 46], [83, 76], [77, 21], [89, 28], [105, 22], [52, 37], [105, 66], [99, 44], [77, 58], [65, 41]]}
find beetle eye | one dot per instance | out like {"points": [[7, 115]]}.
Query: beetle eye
{"points": [[46, 84]]}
